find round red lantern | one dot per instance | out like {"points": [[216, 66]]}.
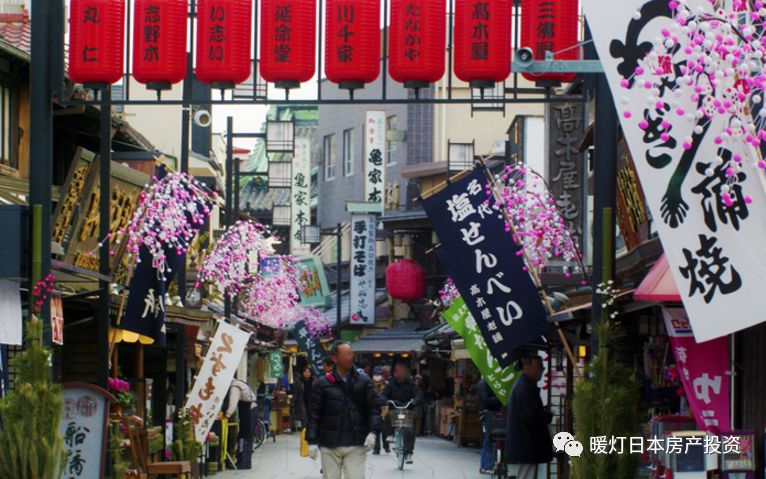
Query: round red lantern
{"points": [[417, 41], [159, 42], [406, 280], [96, 48], [482, 41], [352, 42], [288, 41], [224, 30], [550, 26]]}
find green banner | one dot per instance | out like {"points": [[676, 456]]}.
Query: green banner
{"points": [[276, 368], [500, 380]]}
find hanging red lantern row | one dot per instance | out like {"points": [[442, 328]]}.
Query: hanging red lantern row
{"points": [[288, 41], [550, 26], [96, 48], [417, 41], [483, 41], [352, 42], [159, 42], [224, 29], [406, 280]]}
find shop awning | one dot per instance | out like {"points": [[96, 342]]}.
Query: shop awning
{"points": [[658, 285]]}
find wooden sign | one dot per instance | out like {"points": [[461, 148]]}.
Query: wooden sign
{"points": [[83, 426]]}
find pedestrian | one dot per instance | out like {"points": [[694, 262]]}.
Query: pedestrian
{"points": [[343, 413], [402, 390], [420, 409], [528, 441], [380, 385], [327, 365], [488, 404], [241, 399], [300, 404]]}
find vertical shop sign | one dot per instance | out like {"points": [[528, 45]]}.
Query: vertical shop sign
{"points": [[214, 377], [308, 343], [363, 228], [703, 369], [300, 195], [565, 163], [485, 264], [498, 378], [685, 167], [374, 156], [83, 426]]}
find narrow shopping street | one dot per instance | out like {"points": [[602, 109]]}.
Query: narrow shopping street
{"points": [[434, 458]]}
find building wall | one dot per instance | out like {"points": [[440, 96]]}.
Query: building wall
{"points": [[333, 194], [160, 124]]}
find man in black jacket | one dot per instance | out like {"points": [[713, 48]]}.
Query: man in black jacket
{"points": [[343, 410], [529, 441], [401, 389]]}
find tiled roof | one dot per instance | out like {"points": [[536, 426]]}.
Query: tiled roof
{"points": [[16, 30]]}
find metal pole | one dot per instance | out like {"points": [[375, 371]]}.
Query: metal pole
{"points": [[105, 193], [41, 140], [228, 204], [339, 279], [605, 180], [385, 47]]}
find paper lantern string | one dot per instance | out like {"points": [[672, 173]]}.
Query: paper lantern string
{"points": [[721, 74]]}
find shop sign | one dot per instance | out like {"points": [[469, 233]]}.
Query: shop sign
{"points": [[314, 290], [704, 372], [57, 319], [309, 344], [485, 264], [276, 368], [214, 378], [300, 195], [710, 245], [566, 125], [498, 378], [374, 157], [363, 227], [632, 215], [83, 424]]}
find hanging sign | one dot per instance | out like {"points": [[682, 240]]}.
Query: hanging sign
{"points": [[313, 289], [308, 343], [57, 319], [484, 263], [685, 166], [566, 126], [276, 368], [374, 155], [300, 195], [214, 377], [83, 425], [363, 228], [703, 369], [498, 378]]}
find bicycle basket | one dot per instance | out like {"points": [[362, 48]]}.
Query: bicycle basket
{"points": [[495, 421], [403, 418]]}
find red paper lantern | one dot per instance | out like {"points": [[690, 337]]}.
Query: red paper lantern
{"points": [[352, 42], [482, 41], [288, 41], [406, 280], [224, 29], [159, 45], [550, 26], [417, 41], [96, 48]]}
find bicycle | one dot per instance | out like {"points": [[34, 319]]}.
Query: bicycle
{"points": [[260, 430], [496, 426], [401, 418]]}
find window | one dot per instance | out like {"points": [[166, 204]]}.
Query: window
{"points": [[390, 145], [348, 152], [329, 157], [8, 127]]}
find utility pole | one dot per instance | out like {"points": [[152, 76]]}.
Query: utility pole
{"points": [[339, 279]]}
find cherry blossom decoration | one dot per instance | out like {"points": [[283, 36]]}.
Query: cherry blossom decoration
{"points": [[708, 65], [449, 293], [227, 266], [169, 212], [533, 218]]}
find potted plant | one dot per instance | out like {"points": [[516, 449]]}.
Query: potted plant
{"points": [[185, 446], [120, 389]]}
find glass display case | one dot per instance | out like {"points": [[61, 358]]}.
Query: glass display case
{"points": [[737, 455]]}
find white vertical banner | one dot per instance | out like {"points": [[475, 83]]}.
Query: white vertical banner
{"points": [[300, 195], [684, 164], [214, 377], [375, 156], [363, 228]]}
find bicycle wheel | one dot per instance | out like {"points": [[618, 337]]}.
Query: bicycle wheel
{"points": [[259, 434], [499, 470], [399, 446]]}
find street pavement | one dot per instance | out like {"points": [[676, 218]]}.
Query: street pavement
{"points": [[434, 458]]}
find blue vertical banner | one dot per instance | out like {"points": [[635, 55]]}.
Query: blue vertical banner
{"points": [[310, 344], [486, 265]]}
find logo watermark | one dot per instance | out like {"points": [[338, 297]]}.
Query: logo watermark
{"points": [[566, 442]]}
